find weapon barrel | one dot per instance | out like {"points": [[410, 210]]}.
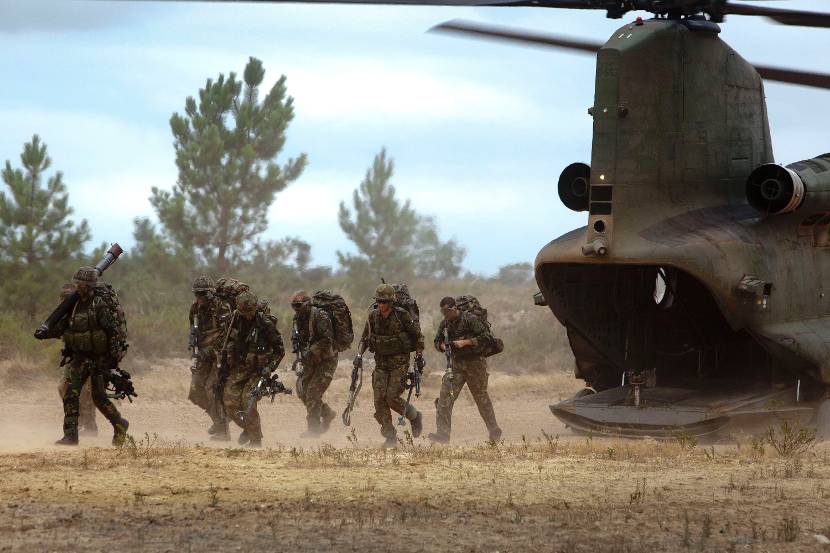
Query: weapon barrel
{"points": [[65, 306]]}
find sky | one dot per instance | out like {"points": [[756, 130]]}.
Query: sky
{"points": [[479, 131]]}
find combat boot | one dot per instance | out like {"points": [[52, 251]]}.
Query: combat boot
{"points": [[244, 438], [438, 437], [328, 416], [220, 433], [415, 420], [495, 435], [390, 442], [313, 430], [119, 431], [70, 437], [256, 443]]}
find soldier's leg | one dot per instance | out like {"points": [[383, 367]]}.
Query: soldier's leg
{"points": [[107, 408], [86, 418], [450, 388], [327, 414], [252, 425], [234, 398], [394, 391], [74, 376], [315, 385], [477, 378], [380, 379], [198, 394]]}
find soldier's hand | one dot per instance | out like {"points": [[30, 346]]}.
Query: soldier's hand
{"points": [[420, 362], [358, 362]]}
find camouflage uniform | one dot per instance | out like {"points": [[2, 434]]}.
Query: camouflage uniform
{"points": [[91, 335], [210, 315], [391, 339], [86, 417], [254, 348], [469, 367], [319, 358]]}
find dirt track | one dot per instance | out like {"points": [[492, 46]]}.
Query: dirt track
{"points": [[167, 493]]}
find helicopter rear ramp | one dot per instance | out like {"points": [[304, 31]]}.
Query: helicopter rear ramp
{"points": [[666, 412]]}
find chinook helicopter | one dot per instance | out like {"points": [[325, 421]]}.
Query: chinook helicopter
{"points": [[693, 299]]}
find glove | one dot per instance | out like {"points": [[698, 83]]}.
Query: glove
{"points": [[358, 362], [420, 362]]}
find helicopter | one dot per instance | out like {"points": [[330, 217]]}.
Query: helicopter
{"points": [[693, 299]]}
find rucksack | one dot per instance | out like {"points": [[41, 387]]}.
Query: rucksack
{"points": [[405, 301], [107, 293], [228, 288], [341, 317], [470, 304]]}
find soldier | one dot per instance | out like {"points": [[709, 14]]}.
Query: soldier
{"points": [[318, 355], [207, 315], [92, 336], [254, 349], [468, 338], [86, 412], [391, 333]]}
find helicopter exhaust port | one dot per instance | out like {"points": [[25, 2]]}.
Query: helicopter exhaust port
{"points": [[575, 186], [775, 190]]}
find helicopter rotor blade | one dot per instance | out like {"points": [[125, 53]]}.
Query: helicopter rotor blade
{"points": [[478, 30], [781, 15], [457, 26]]}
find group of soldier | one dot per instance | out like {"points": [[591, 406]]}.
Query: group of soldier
{"points": [[238, 344]]}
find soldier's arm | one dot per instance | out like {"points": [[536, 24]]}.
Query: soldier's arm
{"points": [[364, 338], [274, 339], [324, 334], [414, 330], [479, 333], [192, 315], [439, 336]]}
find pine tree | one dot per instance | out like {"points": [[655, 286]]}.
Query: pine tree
{"points": [[39, 243], [226, 145], [393, 241]]}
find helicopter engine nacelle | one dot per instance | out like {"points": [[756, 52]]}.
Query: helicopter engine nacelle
{"points": [[775, 189], [575, 186]]}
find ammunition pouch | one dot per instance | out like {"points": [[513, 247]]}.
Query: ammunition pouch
{"points": [[89, 342], [390, 345]]}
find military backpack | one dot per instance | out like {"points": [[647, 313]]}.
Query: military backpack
{"points": [[404, 300], [470, 304], [341, 317]]}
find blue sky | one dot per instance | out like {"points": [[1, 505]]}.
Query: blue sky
{"points": [[479, 131]]}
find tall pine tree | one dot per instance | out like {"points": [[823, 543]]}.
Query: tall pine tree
{"points": [[392, 239], [39, 242], [226, 145]]}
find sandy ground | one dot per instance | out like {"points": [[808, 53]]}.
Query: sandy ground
{"points": [[542, 489]]}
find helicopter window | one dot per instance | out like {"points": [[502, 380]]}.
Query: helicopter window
{"points": [[599, 225], [663, 289]]}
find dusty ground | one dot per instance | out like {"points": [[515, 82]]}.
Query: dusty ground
{"points": [[542, 489]]}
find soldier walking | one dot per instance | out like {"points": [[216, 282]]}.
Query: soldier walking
{"points": [[391, 334], [254, 349], [87, 426], [91, 335], [207, 315], [317, 359], [468, 338]]}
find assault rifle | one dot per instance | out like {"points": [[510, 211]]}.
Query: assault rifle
{"points": [[265, 386], [354, 388], [46, 328], [119, 384], [412, 380], [193, 341], [448, 355]]}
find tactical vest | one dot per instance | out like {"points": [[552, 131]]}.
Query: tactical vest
{"points": [[394, 343], [84, 334]]}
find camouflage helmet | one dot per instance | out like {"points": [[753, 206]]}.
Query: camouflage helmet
{"points": [[203, 284], [385, 292], [86, 275], [246, 303]]}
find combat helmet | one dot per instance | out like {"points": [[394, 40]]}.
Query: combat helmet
{"points": [[385, 292], [86, 275], [247, 303], [203, 285]]}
